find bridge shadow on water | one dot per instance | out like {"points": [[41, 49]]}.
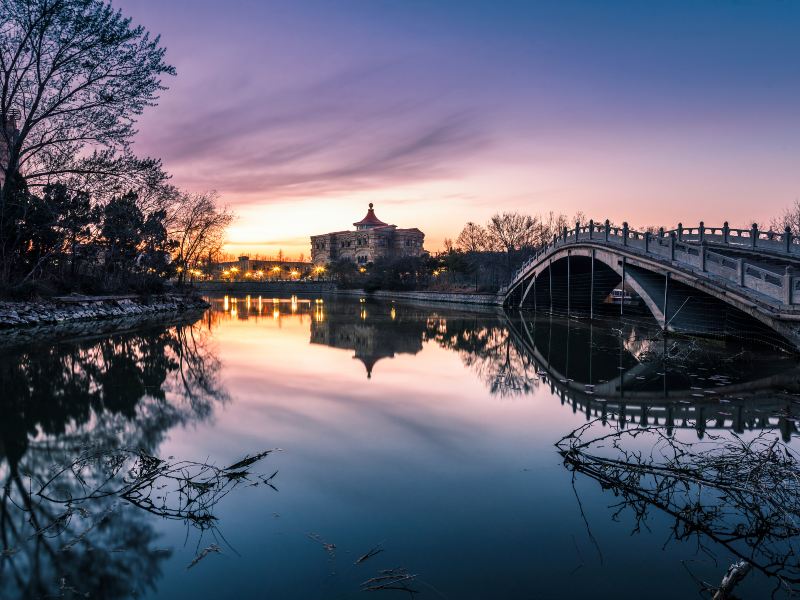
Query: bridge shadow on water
{"points": [[629, 372]]}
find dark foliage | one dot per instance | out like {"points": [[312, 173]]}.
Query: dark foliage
{"points": [[61, 242]]}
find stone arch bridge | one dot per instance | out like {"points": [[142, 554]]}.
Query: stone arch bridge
{"points": [[694, 280]]}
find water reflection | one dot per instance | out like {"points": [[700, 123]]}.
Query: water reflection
{"points": [[625, 372], [107, 394], [426, 415], [739, 494]]}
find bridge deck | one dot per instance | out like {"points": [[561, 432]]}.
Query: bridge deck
{"points": [[751, 270]]}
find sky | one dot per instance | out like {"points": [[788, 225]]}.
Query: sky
{"points": [[301, 112]]}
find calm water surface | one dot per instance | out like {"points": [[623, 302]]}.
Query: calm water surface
{"points": [[425, 432]]}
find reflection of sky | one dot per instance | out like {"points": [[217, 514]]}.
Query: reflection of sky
{"points": [[299, 113], [462, 487]]}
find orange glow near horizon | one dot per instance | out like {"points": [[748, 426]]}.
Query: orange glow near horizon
{"points": [[270, 228]]}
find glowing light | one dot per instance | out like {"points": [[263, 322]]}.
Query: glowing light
{"points": [[225, 303], [393, 313]]}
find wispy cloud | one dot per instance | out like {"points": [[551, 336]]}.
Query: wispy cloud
{"points": [[358, 130]]}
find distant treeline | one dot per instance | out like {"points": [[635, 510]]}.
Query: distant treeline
{"points": [[483, 257]]}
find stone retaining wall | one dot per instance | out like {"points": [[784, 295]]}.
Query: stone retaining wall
{"points": [[265, 287], [451, 297], [55, 311]]}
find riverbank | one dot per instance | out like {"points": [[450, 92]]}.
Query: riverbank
{"points": [[288, 288], [70, 309], [425, 296]]}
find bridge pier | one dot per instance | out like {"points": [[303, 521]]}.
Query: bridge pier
{"points": [[622, 300], [569, 285], [591, 289]]}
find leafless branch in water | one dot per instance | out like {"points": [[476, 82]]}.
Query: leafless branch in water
{"points": [[741, 493], [391, 579], [174, 489]]}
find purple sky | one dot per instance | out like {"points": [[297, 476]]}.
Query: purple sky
{"points": [[300, 113]]}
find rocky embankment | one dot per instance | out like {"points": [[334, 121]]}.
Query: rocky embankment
{"points": [[85, 308]]}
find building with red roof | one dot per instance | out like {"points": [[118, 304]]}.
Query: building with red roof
{"points": [[372, 239]]}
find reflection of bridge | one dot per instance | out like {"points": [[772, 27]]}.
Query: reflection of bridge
{"points": [[597, 371], [704, 280]]}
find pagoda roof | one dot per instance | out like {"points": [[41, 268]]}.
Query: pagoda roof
{"points": [[370, 220]]}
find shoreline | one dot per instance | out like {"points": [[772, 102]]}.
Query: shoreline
{"points": [[326, 288], [16, 316], [490, 300]]}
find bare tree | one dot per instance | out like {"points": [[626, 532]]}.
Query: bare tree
{"points": [[553, 226], [510, 231], [473, 238], [74, 75], [198, 226], [789, 218]]}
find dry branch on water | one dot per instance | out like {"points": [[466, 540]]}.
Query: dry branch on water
{"points": [[182, 489], [741, 493], [391, 579], [203, 553], [372, 552]]}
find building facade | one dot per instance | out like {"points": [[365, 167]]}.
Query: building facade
{"points": [[372, 239], [245, 267]]}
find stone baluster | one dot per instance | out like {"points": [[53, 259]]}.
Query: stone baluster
{"points": [[577, 230], [703, 255], [787, 239], [647, 241], [672, 245], [625, 233], [702, 230], [726, 232], [754, 235], [564, 233], [608, 229], [660, 232], [680, 232], [591, 229]]}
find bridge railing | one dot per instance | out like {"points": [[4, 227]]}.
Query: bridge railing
{"points": [[689, 246]]}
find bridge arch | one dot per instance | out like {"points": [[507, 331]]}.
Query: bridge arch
{"points": [[678, 299]]}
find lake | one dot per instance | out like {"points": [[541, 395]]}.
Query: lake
{"points": [[413, 454]]}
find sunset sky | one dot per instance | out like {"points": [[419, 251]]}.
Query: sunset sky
{"points": [[299, 113]]}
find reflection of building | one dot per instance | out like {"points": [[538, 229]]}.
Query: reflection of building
{"points": [[371, 341], [371, 240], [8, 132]]}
